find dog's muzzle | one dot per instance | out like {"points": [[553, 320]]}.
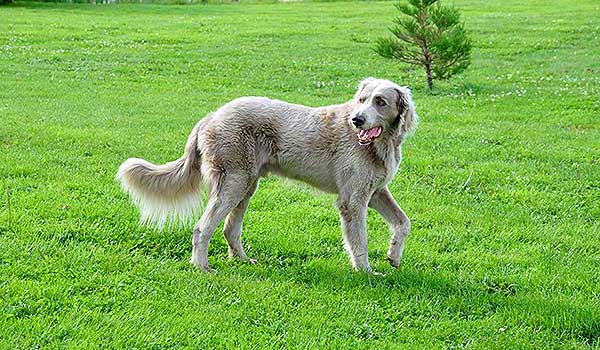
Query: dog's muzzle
{"points": [[366, 137]]}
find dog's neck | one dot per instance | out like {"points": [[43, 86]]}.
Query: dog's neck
{"points": [[389, 149], [390, 144]]}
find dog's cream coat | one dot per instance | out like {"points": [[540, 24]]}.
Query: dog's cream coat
{"points": [[250, 137]]}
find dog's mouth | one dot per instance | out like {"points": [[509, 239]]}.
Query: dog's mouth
{"points": [[366, 137]]}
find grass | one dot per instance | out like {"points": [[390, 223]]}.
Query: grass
{"points": [[502, 182]]}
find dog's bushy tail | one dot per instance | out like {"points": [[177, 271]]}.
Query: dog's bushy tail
{"points": [[168, 193]]}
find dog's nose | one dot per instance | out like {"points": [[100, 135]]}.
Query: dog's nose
{"points": [[358, 120]]}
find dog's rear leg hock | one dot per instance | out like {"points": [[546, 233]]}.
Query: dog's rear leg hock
{"points": [[215, 212], [229, 193], [233, 227]]}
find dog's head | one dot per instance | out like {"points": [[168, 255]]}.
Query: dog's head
{"points": [[382, 107]]}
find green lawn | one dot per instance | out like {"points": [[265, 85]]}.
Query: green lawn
{"points": [[501, 180]]}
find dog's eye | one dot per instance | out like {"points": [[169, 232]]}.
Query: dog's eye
{"points": [[381, 102], [362, 99]]}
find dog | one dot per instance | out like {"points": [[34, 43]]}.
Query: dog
{"points": [[351, 149]]}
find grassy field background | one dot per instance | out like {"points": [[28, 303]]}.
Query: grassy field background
{"points": [[502, 181]]}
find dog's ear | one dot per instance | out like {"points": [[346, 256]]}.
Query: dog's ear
{"points": [[363, 84], [406, 110]]}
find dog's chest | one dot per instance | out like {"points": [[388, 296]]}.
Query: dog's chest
{"points": [[390, 161]]}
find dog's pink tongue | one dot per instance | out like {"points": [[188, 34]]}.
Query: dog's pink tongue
{"points": [[370, 134], [375, 132]]}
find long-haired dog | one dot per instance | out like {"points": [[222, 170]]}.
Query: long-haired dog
{"points": [[351, 149]]}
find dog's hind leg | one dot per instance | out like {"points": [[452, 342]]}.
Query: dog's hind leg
{"points": [[227, 192], [383, 202], [233, 226]]}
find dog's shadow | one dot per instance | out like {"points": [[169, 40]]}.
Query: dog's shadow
{"points": [[417, 293], [415, 290]]}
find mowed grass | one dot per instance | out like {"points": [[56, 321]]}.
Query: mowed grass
{"points": [[501, 180]]}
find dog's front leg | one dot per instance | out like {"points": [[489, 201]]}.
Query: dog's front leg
{"points": [[353, 217], [399, 224]]}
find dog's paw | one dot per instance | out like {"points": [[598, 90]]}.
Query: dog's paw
{"points": [[394, 261], [243, 259], [207, 269], [368, 270], [202, 266], [375, 273]]}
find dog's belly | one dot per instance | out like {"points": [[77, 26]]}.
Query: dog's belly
{"points": [[313, 175]]}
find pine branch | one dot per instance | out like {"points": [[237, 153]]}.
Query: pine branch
{"points": [[430, 35]]}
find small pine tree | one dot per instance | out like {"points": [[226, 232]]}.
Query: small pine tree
{"points": [[428, 35]]}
